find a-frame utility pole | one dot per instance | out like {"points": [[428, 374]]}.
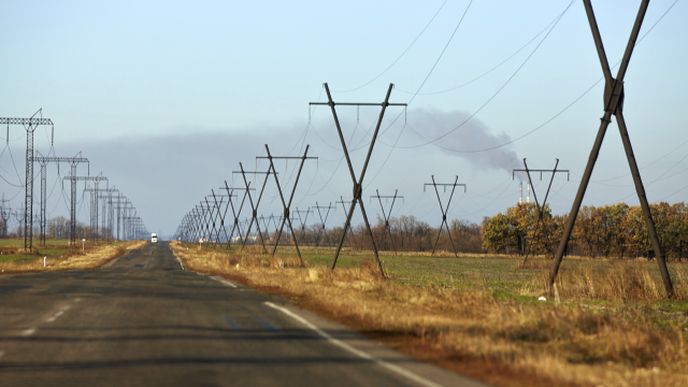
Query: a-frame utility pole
{"points": [[444, 209], [540, 206], [357, 182], [323, 219], [30, 124], [613, 106], [254, 205], [303, 220], [287, 204], [236, 223], [387, 214], [221, 214]]}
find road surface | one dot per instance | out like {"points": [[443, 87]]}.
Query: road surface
{"points": [[144, 321]]}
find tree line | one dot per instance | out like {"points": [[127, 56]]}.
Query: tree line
{"points": [[56, 228], [616, 230]]}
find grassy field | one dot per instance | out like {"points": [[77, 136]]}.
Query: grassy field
{"points": [[480, 315], [59, 255]]}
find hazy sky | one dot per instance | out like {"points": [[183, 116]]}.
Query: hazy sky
{"points": [[166, 97]]}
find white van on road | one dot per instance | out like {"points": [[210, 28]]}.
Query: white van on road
{"points": [[154, 237]]}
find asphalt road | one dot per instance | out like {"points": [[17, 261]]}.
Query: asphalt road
{"points": [[143, 321]]}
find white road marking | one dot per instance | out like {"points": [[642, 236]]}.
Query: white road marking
{"points": [[28, 332], [180, 262], [224, 281], [54, 317], [61, 311], [391, 367]]}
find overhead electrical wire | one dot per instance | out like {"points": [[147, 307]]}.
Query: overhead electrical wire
{"points": [[495, 94], [395, 145], [403, 53], [486, 72]]}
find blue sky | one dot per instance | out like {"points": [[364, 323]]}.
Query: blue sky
{"points": [[132, 73]]}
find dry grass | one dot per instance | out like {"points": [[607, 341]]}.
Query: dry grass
{"points": [[95, 256], [506, 342], [634, 280]]}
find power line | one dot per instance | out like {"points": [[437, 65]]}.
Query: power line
{"points": [[496, 93], [403, 53], [490, 70]]}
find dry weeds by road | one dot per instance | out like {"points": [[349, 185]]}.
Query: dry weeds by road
{"points": [[505, 342], [94, 256]]}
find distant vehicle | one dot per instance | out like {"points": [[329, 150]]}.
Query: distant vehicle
{"points": [[154, 237]]}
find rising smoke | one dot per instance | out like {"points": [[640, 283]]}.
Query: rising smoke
{"points": [[428, 124]]}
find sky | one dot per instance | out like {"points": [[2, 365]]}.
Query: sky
{"points": [[165, 98]]}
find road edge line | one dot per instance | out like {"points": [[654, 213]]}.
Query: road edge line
{"points": [[336, 342], [224, 281], [179, 261]]}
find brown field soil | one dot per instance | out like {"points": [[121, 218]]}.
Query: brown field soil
{"points": [[479, 315], [59, 256]]}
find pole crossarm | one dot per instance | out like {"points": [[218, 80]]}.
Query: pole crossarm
{"points": [[332, 103], [59, 159], [34, 121], [613, 106], [85, 178], [357, 181], [445, 209]]}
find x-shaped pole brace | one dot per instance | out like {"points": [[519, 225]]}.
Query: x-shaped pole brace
{"points": [[221, 214], [323, 219], [264, 221], [387, 214], [357, 182], [540, 207], [445, 209], [286, 218], [195, 215], [213, 211], [205, 207], [303, 219], [200, 217], [236, 224], [254, 205], [613, 105]]}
